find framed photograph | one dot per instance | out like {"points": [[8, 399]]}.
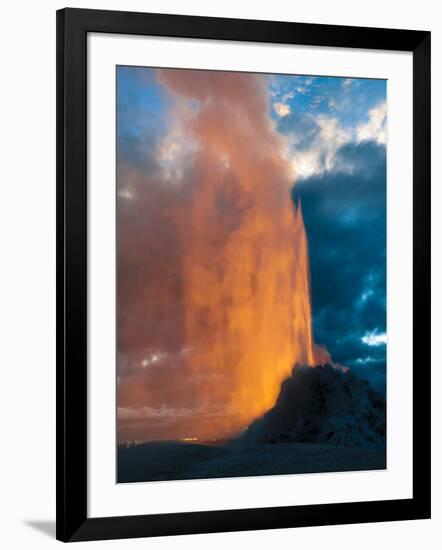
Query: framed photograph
{"points": [[243, 274]]}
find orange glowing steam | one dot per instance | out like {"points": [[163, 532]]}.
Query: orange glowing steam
{"points": [[244, 267]]}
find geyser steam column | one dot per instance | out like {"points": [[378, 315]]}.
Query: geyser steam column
{"points": [[245, 272]]}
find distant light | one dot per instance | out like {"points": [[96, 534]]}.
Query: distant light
{"points": [[374, 338]]}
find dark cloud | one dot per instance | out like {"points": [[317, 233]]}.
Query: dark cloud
{"points": [[345, 218]]}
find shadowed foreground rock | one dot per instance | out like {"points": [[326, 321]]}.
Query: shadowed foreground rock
{"points": [[323, 405], [164, 461]]}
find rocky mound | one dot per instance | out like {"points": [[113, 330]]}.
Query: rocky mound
{"points": [[323, 405]]}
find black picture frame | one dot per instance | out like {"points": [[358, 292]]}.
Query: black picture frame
{"points": [[73, 25]]}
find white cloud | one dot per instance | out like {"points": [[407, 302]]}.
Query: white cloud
{"points": [[176, 152], [126, 193], [332, 103], [153, 359], [374, 338], [287, 96], [163, 411], [153, 412], [156, 357], [317, 100], [281, 109], [365, 360], [321, 153], [376, 126]]}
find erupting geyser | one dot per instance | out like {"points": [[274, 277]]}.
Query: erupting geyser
{"points": [[245, 262], [241, 262]]}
